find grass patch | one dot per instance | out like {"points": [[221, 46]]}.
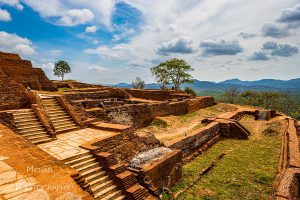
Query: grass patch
{"points": [[63, 89], [158, 122], [247, 171]]}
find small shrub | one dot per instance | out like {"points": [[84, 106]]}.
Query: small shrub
{"points": [[272, 129], [189, 90], [158, 122]]}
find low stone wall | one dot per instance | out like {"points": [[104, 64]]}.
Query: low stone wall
{"points": [[157, 95], [165, 172], [7, 119], [141, 115], [195, 140], [96, 95], [287, 181]]}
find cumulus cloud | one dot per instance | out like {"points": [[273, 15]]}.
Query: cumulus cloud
{"points": [[75, 17], [13, 3], [269, 45], [4, 15], [91, 29], [282, 50], [259, 56], [14, 43], [285, 50], [247, 35], [178, 45], [275, 30], [290, 15], [220, 47], [70, 12]]}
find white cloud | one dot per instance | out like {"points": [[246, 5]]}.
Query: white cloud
{"points": [[4, 15], [14, 43], [91, 29], [13, 3], [117, 52], [64, 10], [97, 68], [75, 17]]}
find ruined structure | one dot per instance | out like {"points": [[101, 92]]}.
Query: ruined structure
{"points": [[87, 136]]}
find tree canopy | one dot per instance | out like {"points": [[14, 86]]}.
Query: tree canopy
{"points": [[61, 68], [138, 83], [174, 71]]}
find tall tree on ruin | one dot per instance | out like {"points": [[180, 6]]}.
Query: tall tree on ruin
{"points": [[174, 71], [61, 68]]}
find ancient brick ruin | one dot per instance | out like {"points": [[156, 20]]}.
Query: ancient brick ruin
{"points": [[87, 135]]}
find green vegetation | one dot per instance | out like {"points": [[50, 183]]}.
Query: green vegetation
{"points": [[138, 83], [158, 122], [61, 68], [64, 89], [282, 101], [174, 71], [247, 171], [189, 90]]}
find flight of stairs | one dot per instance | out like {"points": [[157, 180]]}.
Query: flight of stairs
{"points": [[59, 117], [93, 179], [29, 126]]}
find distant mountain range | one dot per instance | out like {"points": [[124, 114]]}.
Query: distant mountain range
{"points": [[264, 84]]}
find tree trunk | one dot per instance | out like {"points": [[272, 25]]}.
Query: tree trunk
{"points": [[62, 77]]}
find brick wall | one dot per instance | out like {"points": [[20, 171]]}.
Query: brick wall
{"points": [[158, 95], [194, 141], [22, 72]]}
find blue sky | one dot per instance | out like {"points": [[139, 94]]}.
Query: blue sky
{"points": [[111, 41]]}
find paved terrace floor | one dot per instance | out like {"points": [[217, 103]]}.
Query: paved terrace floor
{"points": [[67, 144]]}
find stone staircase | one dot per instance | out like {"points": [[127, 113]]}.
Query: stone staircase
{"points": [[29, 126], [59, 117], [93, 178]]}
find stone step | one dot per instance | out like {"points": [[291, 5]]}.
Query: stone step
{"points": [[115, 195], [79, 159], [34, 133], [55, 115], [23, 117], [63, 123], [24, 120], [98, 181], [54, 108], [95, 176], [56, 112], [28, 121], [88, 167], [24, 131], [61, 117], [120, 197], [73, 158], [67, 129], [91, 171], [65, 119], [82, 163], [30, 126], [40, 141], [40, 136], [24, 113], [108, 190], [101, 186]]}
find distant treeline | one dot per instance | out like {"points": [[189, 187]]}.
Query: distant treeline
{"points": [[288, 103]]}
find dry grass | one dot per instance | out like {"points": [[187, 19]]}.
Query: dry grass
{"points": [[171, 127]]}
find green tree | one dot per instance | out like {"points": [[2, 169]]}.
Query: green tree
{"points": [[138, 83], [189, 90], [161, 75], [231, 95], [175, 71], [61, 68]]}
